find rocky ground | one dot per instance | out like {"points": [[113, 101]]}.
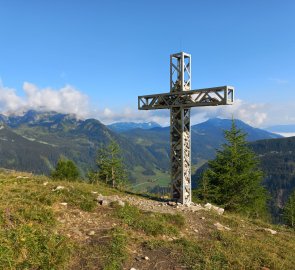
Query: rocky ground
{"points": [[91, 227], [74, 225]]}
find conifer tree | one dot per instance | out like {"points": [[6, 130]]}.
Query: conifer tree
{"points": [[66, 170], [111, 169], [289, 210], [233, 179]]}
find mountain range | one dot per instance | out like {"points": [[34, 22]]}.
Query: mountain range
{"points": [[46, 136], [36, 140]]}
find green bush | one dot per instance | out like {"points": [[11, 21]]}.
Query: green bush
{"points": [[66, 170], [289, 210]]}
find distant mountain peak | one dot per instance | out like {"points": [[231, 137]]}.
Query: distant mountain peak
{"points": [[215, 126]]}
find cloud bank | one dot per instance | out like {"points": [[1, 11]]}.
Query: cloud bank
{"points": [[253, 114], [70, 100], [63, 100]]}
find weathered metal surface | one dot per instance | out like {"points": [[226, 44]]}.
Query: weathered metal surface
{"points": [[222, 95], [180, 99]]}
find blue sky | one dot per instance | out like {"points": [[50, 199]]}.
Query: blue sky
{"points": [[96, 57]]}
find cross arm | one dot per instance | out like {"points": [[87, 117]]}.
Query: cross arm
{"points": [[223, 95]]}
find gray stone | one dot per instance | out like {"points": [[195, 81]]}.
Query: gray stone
{"points": [[271, 231], [58, 188], [208, 206], [121, 203], [104, 203], [218, 210], [171, 203], [221, 227], [63, 203]]}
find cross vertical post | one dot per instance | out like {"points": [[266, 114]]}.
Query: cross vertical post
{"points": [[180, 139]]}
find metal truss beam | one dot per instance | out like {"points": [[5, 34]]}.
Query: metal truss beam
{"points": [[223, 95], [180, 99]]}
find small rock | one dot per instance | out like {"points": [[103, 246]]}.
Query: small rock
{"points": [[64, 203], [23, 177], [58, 188], [202, 218], [221, 227], [45, 183], [196, 231], [219, 210], [271, 231], [105, 203], [100, 199], [94, 192], [121, 203], [132, 268], [146, 258], [208, 206], [91, 233], [171, 203]]}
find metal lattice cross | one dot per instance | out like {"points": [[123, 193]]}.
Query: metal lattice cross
{"points": [[180, 99]]}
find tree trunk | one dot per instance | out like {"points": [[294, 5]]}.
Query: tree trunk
{"points": [[113, 176]]}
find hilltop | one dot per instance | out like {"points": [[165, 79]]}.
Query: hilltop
{"points": [[75, 225]]}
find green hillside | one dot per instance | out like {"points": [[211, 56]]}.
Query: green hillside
{"points": [[278, 164], [277, 161], [61, 225], [17, 152], [53, 135]]}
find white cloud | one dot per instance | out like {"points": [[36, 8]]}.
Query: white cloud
{"points": [[9, 101], [69, 100], [253, 114], [64, 100]]}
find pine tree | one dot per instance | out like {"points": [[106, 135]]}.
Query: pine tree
{"points": [[233, 178], [66, 170], [111, 169], [289, 210]]}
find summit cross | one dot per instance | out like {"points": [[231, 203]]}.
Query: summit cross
{"points": [[180, 99]]}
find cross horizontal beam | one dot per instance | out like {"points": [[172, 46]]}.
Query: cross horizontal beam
{"points": [[223, 95]]}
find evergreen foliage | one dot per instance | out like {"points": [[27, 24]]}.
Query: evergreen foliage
{"points": [[289, 210], [66, 170], [233, 179], [111, 169]]}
